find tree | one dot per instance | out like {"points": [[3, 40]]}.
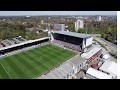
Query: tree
{"points": [[81, 30]]}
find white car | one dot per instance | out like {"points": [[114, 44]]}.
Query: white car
{"points": [[105, 57]]}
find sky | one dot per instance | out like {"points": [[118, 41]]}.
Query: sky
{"points": [[32, 13]]}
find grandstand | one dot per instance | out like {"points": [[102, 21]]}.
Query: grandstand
{"points": [[21, 45], [33, 62], [72, 40], [66, 70], [53, 57]]}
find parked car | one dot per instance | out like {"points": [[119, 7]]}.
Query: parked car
{"points": [[94, 66], [105, 57]]}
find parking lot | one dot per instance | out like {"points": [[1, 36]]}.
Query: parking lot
{"points": [[12, 41]]}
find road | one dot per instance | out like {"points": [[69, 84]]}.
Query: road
{"points": [[104, 51], [110, 46], [111, 57]]}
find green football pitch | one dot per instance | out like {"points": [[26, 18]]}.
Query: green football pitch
{"points": [[32, 63]]}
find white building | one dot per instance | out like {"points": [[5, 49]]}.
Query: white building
{"points": [[79, 24], [27, 16], [95, 74], [109, 67], [42, 21], [92, 55], [59, 27], [99, 18]]}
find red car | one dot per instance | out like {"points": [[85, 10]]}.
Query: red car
{"points": [[94, 66]]}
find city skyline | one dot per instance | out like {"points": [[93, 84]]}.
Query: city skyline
{"points": [[37, 13]]}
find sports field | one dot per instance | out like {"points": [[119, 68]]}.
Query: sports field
{"points": [[33, 63]]}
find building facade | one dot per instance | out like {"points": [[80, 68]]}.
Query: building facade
{"points": [[59, 27], [42, 22], [99, 18], [79, 24], [92, 55]]}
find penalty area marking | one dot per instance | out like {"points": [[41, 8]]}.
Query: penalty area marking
{"points": [[6, 71]]}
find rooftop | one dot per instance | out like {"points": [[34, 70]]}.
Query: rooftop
{"points": [[63, 70], [74, 34], [98, 74], [90, 53], [109, 66]]}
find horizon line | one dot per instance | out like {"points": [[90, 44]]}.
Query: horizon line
{"points": [[58, 15]]}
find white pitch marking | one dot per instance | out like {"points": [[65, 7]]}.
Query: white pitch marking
{"points": [[6, 71], [37, 60]]}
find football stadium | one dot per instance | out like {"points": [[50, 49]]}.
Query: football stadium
{"points": [[31, 59], [34, 62]]}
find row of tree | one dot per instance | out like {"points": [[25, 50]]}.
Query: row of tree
{"points": [[107, 29], [10, 30]]}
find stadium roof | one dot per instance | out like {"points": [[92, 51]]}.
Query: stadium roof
{"points": [[90, 53], [26, 42], [98, 74], [74, 34], [110, 67], [63, 70]]}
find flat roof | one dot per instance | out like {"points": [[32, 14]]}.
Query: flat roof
{"points": [[110, 67], [74, 34], [57, 73], [22, 43], [98, 74], [60, 71], [52, 75], [90, 53], [64, 69]]}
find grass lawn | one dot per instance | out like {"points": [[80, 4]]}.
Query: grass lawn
{"points": [[33, 63]]}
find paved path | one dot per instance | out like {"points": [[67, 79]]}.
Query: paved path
{"points": [[104, 51], [110, 46]]}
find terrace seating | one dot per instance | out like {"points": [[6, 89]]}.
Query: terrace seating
{"points": [[67, 45]]}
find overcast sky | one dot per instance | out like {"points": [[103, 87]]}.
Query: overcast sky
{"points": [[19, 13]]}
